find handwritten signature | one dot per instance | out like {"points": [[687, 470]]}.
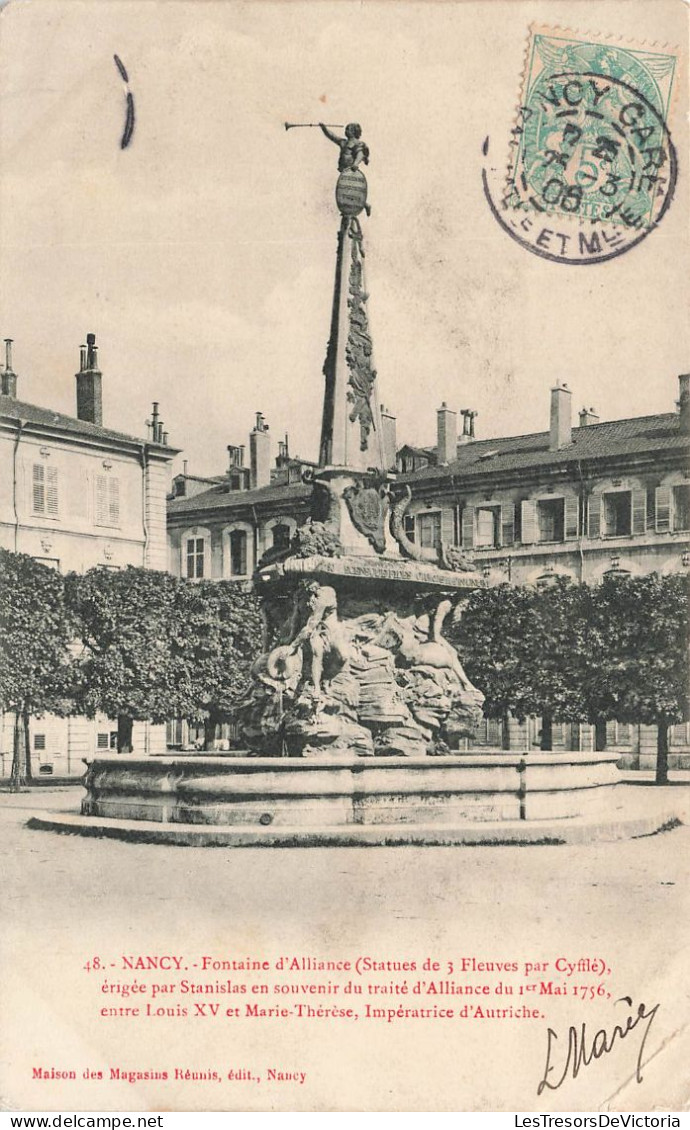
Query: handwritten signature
{"points": [[582, 1050]]}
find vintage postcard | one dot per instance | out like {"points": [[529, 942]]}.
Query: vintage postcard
{"points": [[376, 313]]}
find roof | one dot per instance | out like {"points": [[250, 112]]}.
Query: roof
{"points": [[46, 417], [590, 442], [412, 449], [203, 478], [481, 457], [220, 498]]}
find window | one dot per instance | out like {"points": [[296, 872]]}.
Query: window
{"points": [[281, 536], [238, 553], [551, 519], [679, 734], [681, 507], [107, 740], [107, 500], [39, 741], [487, 526], [45, 489], [409, 526], [429, 530], [617, 514], [195, 558]]}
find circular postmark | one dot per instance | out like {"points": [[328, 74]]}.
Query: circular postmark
{"points": [[593, 169]]}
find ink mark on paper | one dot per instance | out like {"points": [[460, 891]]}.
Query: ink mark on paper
{"points": [[581, 1048], [129, 104]]}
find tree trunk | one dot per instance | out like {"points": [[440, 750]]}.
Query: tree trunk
{"points": [[124, 733], [209, 732], [505, 730], [599, 734], [27, 746], [16, 775], [546, 732], [662, 752]]}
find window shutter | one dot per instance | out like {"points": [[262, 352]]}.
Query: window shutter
{"points": [[190, 558], [572, 508], [52, 492], [468, 527], [200, 559], [639, 511], [101, 499], [662, 509], [507, 523], [114, 502], [39, 488], [447, 527], [594, 505], [528, 510]]}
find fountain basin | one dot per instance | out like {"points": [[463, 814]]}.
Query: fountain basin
{"points": [[346, 791]]}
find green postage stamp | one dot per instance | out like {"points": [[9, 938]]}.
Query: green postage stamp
{"points": [[592, 167]]}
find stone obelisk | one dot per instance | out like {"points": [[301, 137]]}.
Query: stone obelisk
{"points": [[351, 434]]}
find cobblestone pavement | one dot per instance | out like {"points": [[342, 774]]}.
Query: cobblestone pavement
{"points": [[65, 899]]}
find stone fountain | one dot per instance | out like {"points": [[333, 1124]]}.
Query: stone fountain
{"points": [[359, 702], [355, 609]]}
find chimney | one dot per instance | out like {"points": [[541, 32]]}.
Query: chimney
{"points": [[587, 416], [260, 454], [446, 434], [156, 425], [389, 434], [89, 384], [468, 417], [283, 456], [89, 391], [560, 430], [684, 401], [235, 456], [9, 377]]}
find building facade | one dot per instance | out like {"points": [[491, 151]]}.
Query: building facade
{"points": [[575, 500], [77, 495], [219, 528]]}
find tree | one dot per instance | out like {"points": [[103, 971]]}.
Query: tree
{"points": [[218, 631], [649, 616], [34, 649], [128, 668], [604, 676], [491, 637], [553, 651], [618, 650]]}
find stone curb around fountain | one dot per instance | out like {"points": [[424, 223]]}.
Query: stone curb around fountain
{"points": [[573, 830]]}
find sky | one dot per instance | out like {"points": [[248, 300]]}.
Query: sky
{"points": [[202, 255]]}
